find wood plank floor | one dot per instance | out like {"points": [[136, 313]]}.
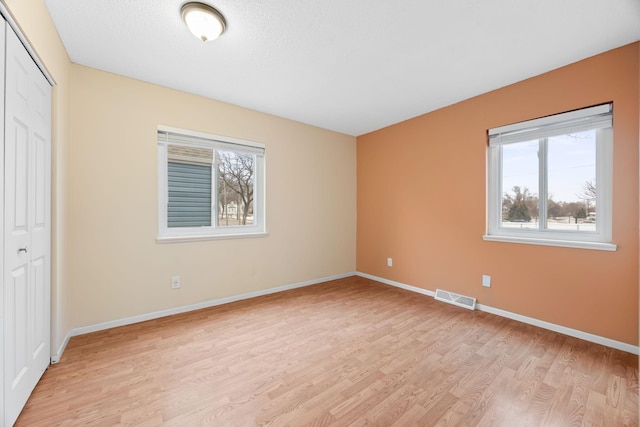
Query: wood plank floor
{"points": [[346, 352]]}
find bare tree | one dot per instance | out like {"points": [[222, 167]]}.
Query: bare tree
{"points": [[235, 172], [588, 191], [554, 209], [588, 194], [225, 196], [575, 210]]}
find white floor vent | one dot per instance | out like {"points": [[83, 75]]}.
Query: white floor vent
{"points": [[455, 299]]}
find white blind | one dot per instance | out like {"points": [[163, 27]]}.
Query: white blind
{"points": [[597, 117], [198, 139]]}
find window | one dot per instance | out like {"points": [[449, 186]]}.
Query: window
{"points": [[209, 186], [549, 180]]}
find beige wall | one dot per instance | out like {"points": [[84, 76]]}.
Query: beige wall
{"points": [[429, 212], [106, 264], [35, 22], [116, 267]]}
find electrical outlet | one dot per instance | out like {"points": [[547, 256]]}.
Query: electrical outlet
{"points": [[486, 281], [175, 282], [389, 262]]}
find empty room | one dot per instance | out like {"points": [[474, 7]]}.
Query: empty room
{"points": [[299, 213]]}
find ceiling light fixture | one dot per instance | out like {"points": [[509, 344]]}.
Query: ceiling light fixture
{"points": [[205, 22]]}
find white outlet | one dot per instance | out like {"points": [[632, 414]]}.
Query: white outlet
{"points": [[175, 282], [486, 281], [389, 262]]}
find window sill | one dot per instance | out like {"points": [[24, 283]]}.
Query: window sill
{"points": [[599, 246], [201, 237]]}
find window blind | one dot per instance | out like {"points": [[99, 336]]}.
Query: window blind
{"points": [[196, 139], [597, 117]]}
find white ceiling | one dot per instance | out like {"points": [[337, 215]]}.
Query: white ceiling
{"points": [[350, 66]]}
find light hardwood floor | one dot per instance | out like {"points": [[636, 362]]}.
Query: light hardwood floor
{"points": [[346, 352]]}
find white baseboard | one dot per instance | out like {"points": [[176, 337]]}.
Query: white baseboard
{"points": [[397, 284], [56, 357], [524, 319], [183, 309]]}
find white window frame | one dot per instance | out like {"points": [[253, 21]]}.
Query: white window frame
{"points": [[170, 135], [600, 118]]}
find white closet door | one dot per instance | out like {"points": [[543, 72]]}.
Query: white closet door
{"points": [[27, 153]]}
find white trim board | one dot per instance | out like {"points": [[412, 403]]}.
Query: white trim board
{"points": [[177, 310], [56, 357], [398, 284], [183, 309], [608, 342]]}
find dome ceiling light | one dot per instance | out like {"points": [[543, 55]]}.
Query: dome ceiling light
{"points": [[204, 21]]}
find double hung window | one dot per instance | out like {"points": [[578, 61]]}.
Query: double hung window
{"points": [[549, 180], [209, 186]]}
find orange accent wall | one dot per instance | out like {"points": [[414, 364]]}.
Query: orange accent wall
{"points": [[422, 201]]}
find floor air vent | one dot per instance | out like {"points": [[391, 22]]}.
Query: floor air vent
{"points": [[455, 299]]}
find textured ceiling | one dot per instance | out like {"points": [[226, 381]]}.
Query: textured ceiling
{"points": [[350, 66]]}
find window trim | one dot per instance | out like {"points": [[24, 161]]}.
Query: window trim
{"points": [[598, 117], [216, 142]]}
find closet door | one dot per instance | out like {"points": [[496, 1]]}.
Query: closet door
{"points": [[27, 153]]}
